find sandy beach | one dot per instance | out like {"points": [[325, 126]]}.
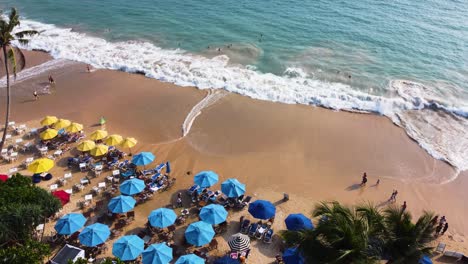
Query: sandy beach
{"points": [[311, 153]]}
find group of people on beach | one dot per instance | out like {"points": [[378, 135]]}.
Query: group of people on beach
{"points": [[52, 82], [442, 227]]}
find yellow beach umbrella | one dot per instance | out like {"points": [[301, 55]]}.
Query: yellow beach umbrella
{"points": [[41, 165], [98, 134], [62, 123], [129, 142], [86, 145], [113, 140], [49, 134], [48, 120], [74, 128], [99, 150]]}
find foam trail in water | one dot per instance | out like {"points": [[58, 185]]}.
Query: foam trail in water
{"points": [[210, 99], [35, 71], [295, 87]]}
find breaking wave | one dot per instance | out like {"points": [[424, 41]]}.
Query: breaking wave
{"points": [[408, 104]]}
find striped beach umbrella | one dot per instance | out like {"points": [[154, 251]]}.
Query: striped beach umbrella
{"points": [[239, 242]]}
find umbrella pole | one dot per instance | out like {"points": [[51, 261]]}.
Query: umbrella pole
{"points": [[130, 150]]}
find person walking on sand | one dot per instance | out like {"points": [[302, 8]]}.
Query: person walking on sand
{"points": [[36, 96], [403, 207], [437, 230], [394, 195], [445, 229], [442, 220], [391, 196], [377, 183], [364, 179]]}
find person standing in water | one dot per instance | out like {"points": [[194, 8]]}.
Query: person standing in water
{"points": [[51, 80], [36, 96]]}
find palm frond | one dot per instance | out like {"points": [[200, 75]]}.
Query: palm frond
{"points": [[24, 33], [16, 59]]}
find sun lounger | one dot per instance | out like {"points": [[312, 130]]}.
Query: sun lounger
{"points": [[193, 189], [244, 227], [440, 248], [268, 238], [261, 231], [253, 229], [160, 167], [147, 172], [128, 173], [453, 254]]}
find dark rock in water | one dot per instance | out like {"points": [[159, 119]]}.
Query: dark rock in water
{"points": [[140, 72]]}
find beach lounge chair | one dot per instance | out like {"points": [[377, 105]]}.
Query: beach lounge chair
{"points": [[253, 229], [244, 227], [268, 238], [192, 189], [128, 173], [147, 172], [453, 254], [261, 231], [440, 248], [160, 167]]}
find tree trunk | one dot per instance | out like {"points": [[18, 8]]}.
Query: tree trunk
{"points": [[7, 114]]}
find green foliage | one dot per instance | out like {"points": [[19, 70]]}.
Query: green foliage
{"points": [[30, 252], [363, 234], [78, 261], [112, 261], [406, 241], [22, 207]]}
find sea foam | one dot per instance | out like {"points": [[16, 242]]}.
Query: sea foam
{"points": [[293, 87]]}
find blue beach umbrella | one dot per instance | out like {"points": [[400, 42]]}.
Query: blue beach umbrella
{"points": [[213, 214], [132, 186], [94, 235], [226, 260], [292, 256], [128, 247], [168, 167], [121, 204], [297, 222], [425, 260], [143, 158], [70, 223], [157, 254], [206, 178], [262, 209], [190, 259], [233, 188], [199, 233], [162, 217]]}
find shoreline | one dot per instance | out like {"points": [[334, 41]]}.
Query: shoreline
{"points": [[263, 144]]}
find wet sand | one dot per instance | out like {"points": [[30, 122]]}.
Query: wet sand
{"points": [[311, 153]]}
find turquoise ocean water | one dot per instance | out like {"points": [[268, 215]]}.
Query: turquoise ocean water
{"points": [[347, 55]]}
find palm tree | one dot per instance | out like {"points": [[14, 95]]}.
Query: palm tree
{"points": [[406, 241], [343, 235], [12, 55]]}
